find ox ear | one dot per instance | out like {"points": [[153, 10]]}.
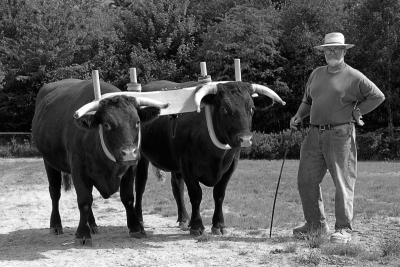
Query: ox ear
{"points": [[148, 113], [87, 122]]}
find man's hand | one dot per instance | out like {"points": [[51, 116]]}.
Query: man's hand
{"points": [[295, 122], [357, 116]]}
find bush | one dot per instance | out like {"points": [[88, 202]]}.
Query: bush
{"points": [[370, 146], [17, 149], [273, 145]]}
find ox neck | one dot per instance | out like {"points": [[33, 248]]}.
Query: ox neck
{"points": [[211, 132]]}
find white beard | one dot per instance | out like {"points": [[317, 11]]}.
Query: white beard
{"points": [[334, 62]]}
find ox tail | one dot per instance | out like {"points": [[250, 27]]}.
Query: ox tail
{"points": [[67, 180]]}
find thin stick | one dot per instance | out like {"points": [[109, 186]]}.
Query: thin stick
{"points": [[132, 75], [203, 69], [96, 84], [279, 180], [238, 74]]}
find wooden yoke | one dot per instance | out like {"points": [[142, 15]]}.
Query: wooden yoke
{"points": [[180, 100]]}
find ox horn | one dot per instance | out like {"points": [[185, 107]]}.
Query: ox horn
{"points": [[261, 89], [141, 101], [209, 88], [92, 106]]}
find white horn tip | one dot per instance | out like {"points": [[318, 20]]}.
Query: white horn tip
{"points": [[283, 103]]}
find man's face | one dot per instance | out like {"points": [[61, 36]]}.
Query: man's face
{"points": [[334, 55]]}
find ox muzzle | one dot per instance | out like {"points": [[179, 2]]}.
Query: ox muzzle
{"points": [[245, 141]]}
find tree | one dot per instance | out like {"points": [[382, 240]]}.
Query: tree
{"points": [[249, 34], [375, 26], [161, 37], [39, 39]]}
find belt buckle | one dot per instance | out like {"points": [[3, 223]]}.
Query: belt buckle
{"points": [[325, 127]]}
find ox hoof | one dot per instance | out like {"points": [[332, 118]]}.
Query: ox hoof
{"points": [[140, 234], [184, 226], [94, 229], [196, 232], [56, 230], [218, 230], [83, 241]]}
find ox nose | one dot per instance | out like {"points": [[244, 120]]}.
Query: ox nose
{"points": [[129, 154], [245, 141]]}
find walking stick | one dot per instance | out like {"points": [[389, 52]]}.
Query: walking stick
{"points": [[279, 180]]}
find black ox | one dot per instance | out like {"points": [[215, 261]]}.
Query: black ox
{"points": [[98, 145], [196, 153]]}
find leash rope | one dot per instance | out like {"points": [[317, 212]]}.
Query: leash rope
{"points": [[279, 180]]}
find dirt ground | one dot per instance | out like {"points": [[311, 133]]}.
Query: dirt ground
{"points": [[25, 239]]}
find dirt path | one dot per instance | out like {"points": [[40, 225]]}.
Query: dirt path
{"points": [[25, 238]]}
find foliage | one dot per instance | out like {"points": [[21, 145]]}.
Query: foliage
{"points": [[375, 26], [162, 38], [38, 40], [17, 149], [47, 40]]}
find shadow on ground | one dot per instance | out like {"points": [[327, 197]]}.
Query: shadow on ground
{"points": [[31, 244]]}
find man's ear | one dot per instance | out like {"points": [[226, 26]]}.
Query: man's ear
{"points": [[148, 113], [87, 122]]}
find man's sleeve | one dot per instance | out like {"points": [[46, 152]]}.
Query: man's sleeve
{"points": [[307, 96], [370, 95]]}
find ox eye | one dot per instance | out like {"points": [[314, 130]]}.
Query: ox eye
{"points": [[107, 126]]}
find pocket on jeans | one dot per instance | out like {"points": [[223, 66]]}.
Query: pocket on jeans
{"points": [[343, 130]]}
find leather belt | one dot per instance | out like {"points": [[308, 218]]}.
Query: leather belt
{"points": [[327, 127]]}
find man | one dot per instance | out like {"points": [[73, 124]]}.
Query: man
{"points": [[335, 97]]}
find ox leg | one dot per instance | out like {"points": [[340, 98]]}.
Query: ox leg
{"points": [[54, 177], [218, 224], [85, 200], [94, 229], [126, 192], [178, 187], [195, 195], [140, 185]]}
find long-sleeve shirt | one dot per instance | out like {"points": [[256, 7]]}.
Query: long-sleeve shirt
{"points": [[333, 96]]}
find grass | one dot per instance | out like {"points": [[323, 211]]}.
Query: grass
{"points": [[250, 192], [312, 258], [390, 247], [349, 250]]}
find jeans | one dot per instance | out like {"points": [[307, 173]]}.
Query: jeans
{"points": [[334, 150]]}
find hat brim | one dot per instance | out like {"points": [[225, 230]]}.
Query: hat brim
{"points": [[321, 47]]}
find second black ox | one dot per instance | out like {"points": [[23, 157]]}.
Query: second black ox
{"points": [[200, 147]]}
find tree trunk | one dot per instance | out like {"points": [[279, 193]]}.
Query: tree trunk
{"points": [[390, 115]]}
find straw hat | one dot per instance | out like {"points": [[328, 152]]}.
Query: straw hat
{"points": [[334, 39]]}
